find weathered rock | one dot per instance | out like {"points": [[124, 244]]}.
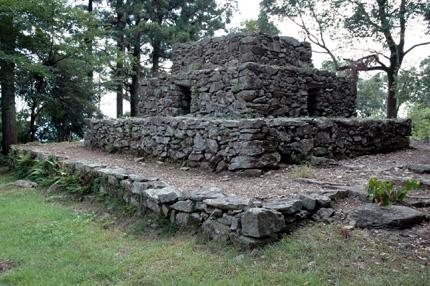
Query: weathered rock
{"points": [[206, 193], [247, 242], [25, 184], [168, 195], [216, 230], [418, 201], [308, 202], [289, 206], [323, 214], [187, 219], [394, 216], [419, 168], [228, 203], [183, 206], [259, 222]]}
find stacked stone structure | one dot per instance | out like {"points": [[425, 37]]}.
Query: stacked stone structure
{"points": [[247, 101]]}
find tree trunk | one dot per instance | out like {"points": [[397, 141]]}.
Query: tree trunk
{"points": [[30, 136], [134, 93], [156, 54], [120, 54], [89, 43], [7, 81], [392, 91]]}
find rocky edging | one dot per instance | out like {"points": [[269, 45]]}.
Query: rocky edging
{"points": [[242, 221]]}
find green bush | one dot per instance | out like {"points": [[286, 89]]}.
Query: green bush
{"points": [[384, 193], [111, 149], [420, 116], [47, 172]]}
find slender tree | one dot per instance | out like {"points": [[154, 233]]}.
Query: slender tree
{"points": [[7, 81]]}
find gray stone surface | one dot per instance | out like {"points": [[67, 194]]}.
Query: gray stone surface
{"points": [[229, 203], [308, 202], [206, 193], [395, 216], [183, 206], [240, 48], [288, 206], [247, 143], [25, 184], [420, 168], [259, 222], [323, 214], [216, 230]]}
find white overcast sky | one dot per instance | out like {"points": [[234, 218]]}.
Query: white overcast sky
{"points": [[248, 9]]}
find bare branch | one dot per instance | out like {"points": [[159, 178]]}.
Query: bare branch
{"points": [[414, 46]]}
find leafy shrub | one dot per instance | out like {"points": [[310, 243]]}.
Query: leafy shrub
{"points": [[47, 172], [384, 193], [420, 116], [110, 148], [235, 88]]}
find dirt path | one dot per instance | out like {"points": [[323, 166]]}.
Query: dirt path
{"points": [[276, 183]]}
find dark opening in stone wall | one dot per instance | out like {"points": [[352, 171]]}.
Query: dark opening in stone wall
{"points": [[185, 99], [313, 95]]}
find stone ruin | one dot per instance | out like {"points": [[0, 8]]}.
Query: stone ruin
{"points": [[247, 101]]}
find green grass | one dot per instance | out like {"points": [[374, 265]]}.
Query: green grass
{"points": [[54, 244]]}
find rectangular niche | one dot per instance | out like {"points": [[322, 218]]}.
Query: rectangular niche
{"points": [[185, 98], [313, 96]]}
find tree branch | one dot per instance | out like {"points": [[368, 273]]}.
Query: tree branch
{"points": [[414, 46]]}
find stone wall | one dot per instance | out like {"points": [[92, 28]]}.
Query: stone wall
{"points": [[166, 95], [245, 222], [249, 90], [241, 48], [249, 143], [255, 90]]}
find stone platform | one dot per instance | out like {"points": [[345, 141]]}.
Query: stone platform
{"points": [[220, 144]]}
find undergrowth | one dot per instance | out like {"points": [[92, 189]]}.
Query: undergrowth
{"points": [[384, 192], [51, 172]]}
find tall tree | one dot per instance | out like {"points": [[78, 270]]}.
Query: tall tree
{"points": [[173, 21], [49, 48], [120, 25], [262, 24], [7, 80], [383, 21]]}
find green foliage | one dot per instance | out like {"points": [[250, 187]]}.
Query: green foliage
{"points": [[111, 149], [236, 88], [261, 24], [371, 96], [53, 66], [48, 172], [384, 193], [420, 116]]}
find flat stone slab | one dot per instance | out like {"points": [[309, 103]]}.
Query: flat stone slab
{"points": [[206, 193], [419, 168], [229, 203], [25, 184], [285, 206], [374, 216]]}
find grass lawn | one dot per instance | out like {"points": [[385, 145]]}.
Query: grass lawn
{"points": [[51, 243]]}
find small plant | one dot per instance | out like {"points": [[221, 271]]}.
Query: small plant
{"points": [[303, 171], [235, 88], [111, 149], [384, 193]]}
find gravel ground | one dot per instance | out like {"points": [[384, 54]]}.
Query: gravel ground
{"points": [[273, 184]]}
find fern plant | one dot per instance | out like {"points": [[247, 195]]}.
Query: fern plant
{"points": [[384, 192]]}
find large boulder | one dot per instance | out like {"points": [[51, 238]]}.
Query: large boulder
{"points": [[374, 216], [260, 222]]}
